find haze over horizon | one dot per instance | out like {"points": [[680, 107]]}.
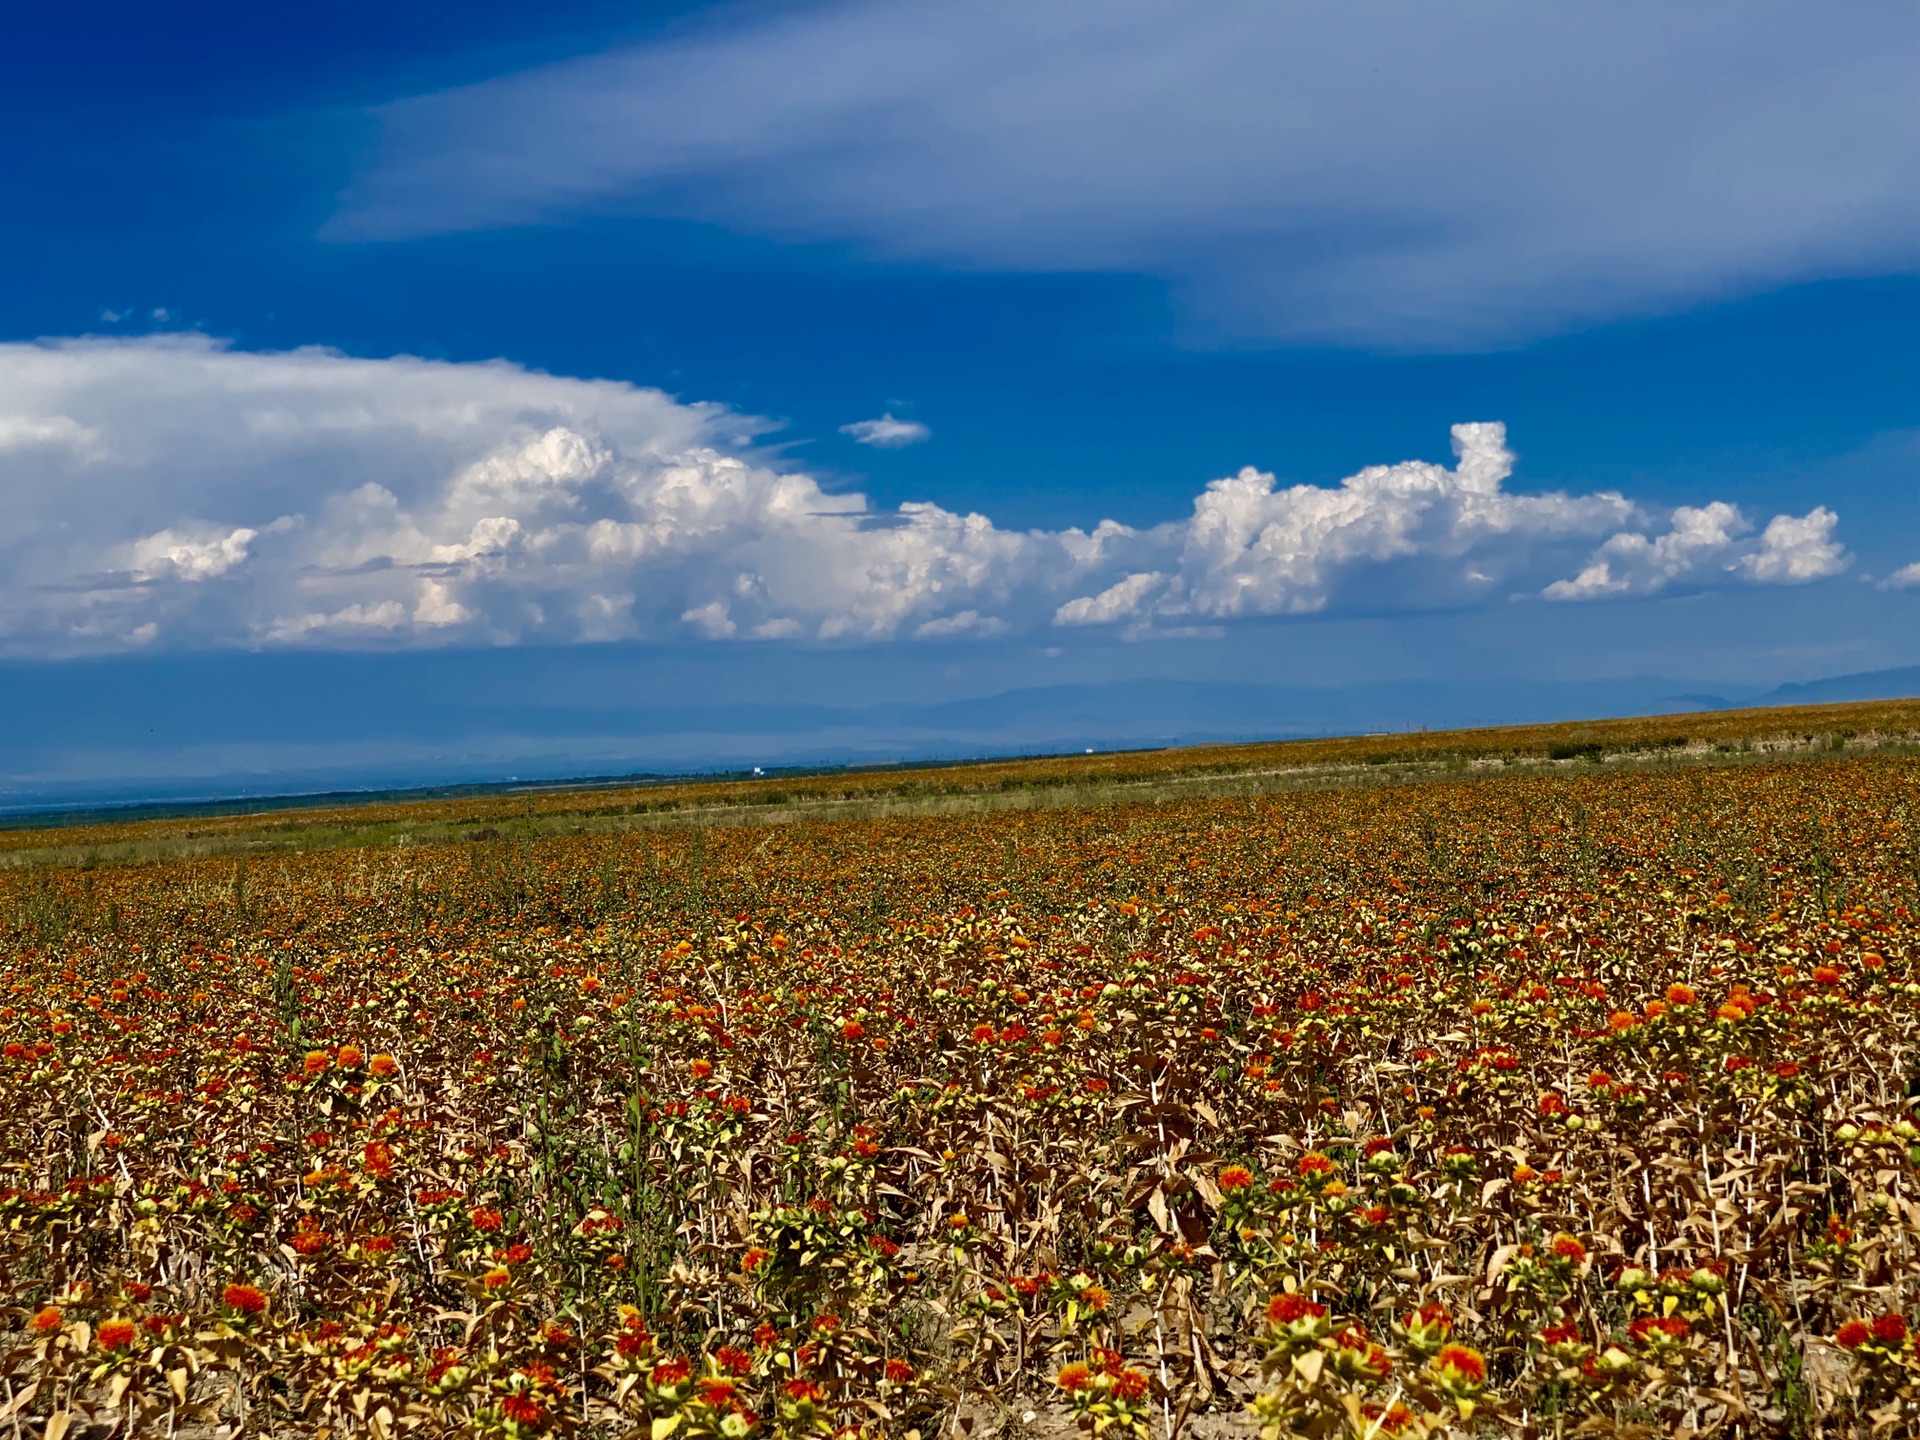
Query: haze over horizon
{"points": [[466, 391]]}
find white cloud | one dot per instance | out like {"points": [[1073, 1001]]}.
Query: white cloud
{"points": [[1254, 550], [887, 433], [967, 622], [1704, 543], [1374, 172], [221, 498], [17, 432], [1119, 601], [1795, 550], [1907, 577], [177, 553]]}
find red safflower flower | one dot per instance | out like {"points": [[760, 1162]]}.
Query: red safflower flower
{"points": [[1680, 996], [730, 1361], [804, 1392], [244, 1298], [669, 1373], [350, 1057], [112, 1334], [1853, 1335], [385, 1066], [522, 1410], [1073, 1378], [485, 1220], [1652, 1329], [1287, 1309], [309, 1239], [50, 1318], [1461, 1367], [1234, 1179], [899, 1372], [1890, 1329], [1130, 1384]]}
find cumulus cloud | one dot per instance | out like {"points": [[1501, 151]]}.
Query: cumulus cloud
{"points": [[1795, 550], [1705, 542], [171, 552], [887, 433], [1907, 577], [175, 492], [1380, 172]]}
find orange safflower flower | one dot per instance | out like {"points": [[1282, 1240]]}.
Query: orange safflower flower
{"points": [[1565, 1247], [1130, 1384], [115, 1333]]}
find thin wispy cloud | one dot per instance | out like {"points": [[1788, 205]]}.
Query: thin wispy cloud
{"points": [[171, 492], [1379, 173], [887, 433]]}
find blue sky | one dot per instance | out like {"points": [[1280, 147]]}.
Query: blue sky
{"points": [[639, 325]]}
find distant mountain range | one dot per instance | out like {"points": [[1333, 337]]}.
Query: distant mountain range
{"points": [[236, 726], [1870, 685]]}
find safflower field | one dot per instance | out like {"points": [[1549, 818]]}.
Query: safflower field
{"points": [[1534, 1105]]}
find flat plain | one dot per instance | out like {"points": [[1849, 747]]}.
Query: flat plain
{"points": [[1530, 1082]]}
